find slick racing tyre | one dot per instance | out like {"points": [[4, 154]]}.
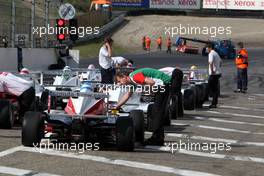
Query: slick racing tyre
{"points": [[6, 115], [171, 110], [189, 99], [125, 134], [32, 129], [206, 91], [199, 96], [138, 119]]}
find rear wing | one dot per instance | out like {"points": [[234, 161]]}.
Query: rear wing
{"points": [[68, 94]]}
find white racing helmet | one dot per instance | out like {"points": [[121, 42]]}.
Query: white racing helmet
{"points": [[67, 73], [24, 71]]}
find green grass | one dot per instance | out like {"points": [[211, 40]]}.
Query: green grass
{"points": [[91, 50]]}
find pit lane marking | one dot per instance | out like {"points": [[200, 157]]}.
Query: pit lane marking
{"points": [[210, 155], [240, 108], [10, 151], [217, 128], [226, 121], [203, 138], [21, 172], [133, 164], [235, 114]]}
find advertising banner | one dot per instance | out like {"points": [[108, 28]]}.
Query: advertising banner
{"points": [[175, 4], [234, 4], [130, 3]]}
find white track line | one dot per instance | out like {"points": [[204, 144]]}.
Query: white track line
{"points": [[237, 108], [210, 155], [21, 172], [241, 108], [218, 128], [10, 151], [235, 114], [203, 138], [226, 121], [13, 171], [133, 164]]}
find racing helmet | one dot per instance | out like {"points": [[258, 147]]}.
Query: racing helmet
{"points": [[24, 71], [193, 67], [86, 87], [91, 66], [67, 73]]}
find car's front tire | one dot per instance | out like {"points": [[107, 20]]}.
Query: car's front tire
{"points": [[32, 129]]}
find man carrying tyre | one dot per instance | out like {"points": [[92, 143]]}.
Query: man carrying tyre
{"points": [[149, 77], [21, 88]]}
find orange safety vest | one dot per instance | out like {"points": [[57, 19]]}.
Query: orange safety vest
{"points": [[168, 43], [148, 41], [159, 41], [242, 59]]}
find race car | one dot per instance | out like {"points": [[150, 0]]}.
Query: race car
{"points": [[9, 107], [195, 89], [85, 119]]}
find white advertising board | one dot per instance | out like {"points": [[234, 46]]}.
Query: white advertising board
{"points": [[175, 4], [234, 4]]}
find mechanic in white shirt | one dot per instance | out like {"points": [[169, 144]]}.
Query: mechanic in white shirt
{"points": [[215, 63], [19, 87], [105, 61]]}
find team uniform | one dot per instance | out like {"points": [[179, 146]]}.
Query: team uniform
{"points": [[214, 75], [242, 66], [161, 97], [105, 63], [159, 43], [21, 88], [168, 46]]}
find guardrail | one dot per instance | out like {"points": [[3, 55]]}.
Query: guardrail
{"points": [[104, 30]]}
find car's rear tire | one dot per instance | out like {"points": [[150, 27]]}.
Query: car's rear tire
{"points": [[125, 134], [189, 99], [171, 110], [6, 115], [32, 129], [174, 107], [206, 91], [138, 119], [149, 118], [199, 95]]}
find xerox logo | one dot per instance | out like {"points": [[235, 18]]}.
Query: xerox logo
{"points": [[162, 2], [245, 3], [187, 2]]}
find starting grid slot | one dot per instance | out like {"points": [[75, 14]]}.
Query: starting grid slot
{"points": [[78, 94]]}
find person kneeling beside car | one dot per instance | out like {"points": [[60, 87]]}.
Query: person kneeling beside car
{"points": [[19, 87]]}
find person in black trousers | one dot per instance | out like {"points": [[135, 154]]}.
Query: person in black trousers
{"points": [[176, 84], [215, 63], [105, 61]]}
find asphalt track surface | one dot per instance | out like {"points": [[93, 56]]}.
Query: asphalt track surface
{"points": [[238, 124]]}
